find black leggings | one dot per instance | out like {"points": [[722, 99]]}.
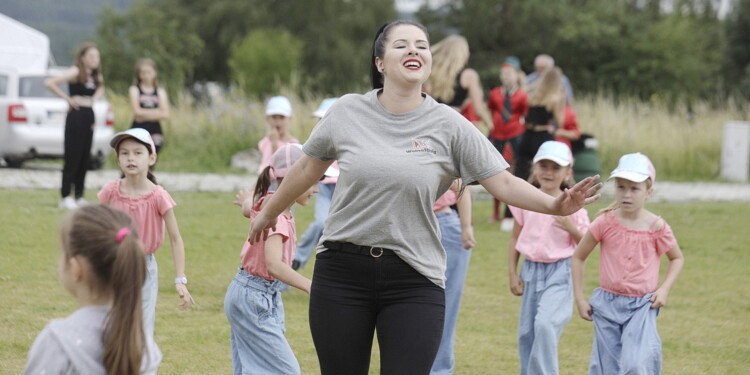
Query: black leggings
{"points": [[355, 295], [79, 132], [527, 150]]}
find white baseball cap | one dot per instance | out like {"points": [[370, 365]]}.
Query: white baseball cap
{"points": [[634, 167], [279, 105], [556, 151], [139, 134], [323, 107]]}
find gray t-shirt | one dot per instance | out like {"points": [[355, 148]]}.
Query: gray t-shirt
{"points": [[393, 168], [74, 345]]}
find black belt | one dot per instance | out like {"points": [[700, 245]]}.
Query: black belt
{"points": [[373, 251]]}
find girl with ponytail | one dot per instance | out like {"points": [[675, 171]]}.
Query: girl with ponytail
{"points": [[152, 209], [102, 266]]}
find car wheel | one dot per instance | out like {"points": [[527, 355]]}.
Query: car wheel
{"points": [[14, 163]]}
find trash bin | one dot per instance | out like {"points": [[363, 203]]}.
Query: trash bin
{"points": [[585, 154]]}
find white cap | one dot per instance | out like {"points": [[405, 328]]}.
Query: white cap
{"points": [[139, 134], [556, 151], [323, 107], [634, 167], [279, 105]]}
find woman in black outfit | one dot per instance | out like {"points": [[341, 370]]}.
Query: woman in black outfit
{"points": [[546, 113], [86, 84], [148, 101]]}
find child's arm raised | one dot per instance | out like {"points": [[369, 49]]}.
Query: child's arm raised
{"points": [[676, 261], [516, 284], [585, 247], [280, 270], [178, 255]]}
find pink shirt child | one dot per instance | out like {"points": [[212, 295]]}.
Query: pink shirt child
{"points": [[448, 199], [147, 211], [629, 262], [253, 256], [542, 240], [266, 150]]}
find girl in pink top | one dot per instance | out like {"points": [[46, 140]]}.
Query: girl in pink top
{"points": [[547, 242], [253, 302], [278, 118], [625, 306], [151, 208]]}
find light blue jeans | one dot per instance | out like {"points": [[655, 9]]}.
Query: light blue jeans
{"points": [[149, 293], [455, 274], [625, 337], [546, 308], [256, 320], [309, 241]]}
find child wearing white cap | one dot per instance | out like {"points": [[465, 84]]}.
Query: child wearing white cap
{"points": [[625, 305], [152, 210], [547, 242], [278, 118]]}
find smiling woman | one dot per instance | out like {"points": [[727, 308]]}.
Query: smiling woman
{"points": [[380, 266]]}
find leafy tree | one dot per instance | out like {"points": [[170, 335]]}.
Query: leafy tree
{"points": [[146, 31], [738, 50], [265, 59]]}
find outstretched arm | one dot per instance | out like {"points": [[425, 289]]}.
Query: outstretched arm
{"points": [[303, 174], [517, 192]]}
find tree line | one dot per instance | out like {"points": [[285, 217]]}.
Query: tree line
{"points": [[623, 48]]}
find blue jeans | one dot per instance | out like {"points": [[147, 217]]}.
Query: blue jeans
{"points": [[149, 292], [256, 320], [455, 274], [355, 295], [625, 337], [546, 308], [309, 241]]}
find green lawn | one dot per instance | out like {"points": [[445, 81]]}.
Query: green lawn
{"points": [[704, 328]]}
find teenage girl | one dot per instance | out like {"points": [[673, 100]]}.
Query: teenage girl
{"points": [[85, 85], [508, 104], [151, 207], [149, 101], [101, 265], [547, 243], [253, 301], [625, 305]]}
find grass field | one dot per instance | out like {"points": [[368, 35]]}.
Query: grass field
{"points": [[704, 328]]}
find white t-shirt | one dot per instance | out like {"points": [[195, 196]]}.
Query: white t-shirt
{"points": [[393, 168]]}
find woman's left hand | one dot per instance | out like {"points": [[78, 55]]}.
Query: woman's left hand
{"points": [[583, 193]]}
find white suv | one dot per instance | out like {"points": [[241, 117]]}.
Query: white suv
{"points": [[32, 120]]}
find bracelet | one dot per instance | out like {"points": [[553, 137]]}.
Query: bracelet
{"points": [[180, 280]]}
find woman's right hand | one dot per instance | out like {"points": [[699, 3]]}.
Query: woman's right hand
{"points": [[584, 309], [72, 103], [259, 227]]}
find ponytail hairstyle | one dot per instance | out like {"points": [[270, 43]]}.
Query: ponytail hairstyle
{"points": [[265, 178], [141, 63], [108, 240], [378, 48], [96, 72], [614, 205], [151, 177]]}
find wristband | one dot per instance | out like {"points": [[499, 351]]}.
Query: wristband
{"points": [[180, 280]]}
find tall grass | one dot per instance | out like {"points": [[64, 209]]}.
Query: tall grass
{"points": [[203, 138]]}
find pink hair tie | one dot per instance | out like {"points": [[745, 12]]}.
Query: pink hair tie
{"points": [[121, 234]]}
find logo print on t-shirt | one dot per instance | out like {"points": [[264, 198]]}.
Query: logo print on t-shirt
{"points": [[420, 145]]}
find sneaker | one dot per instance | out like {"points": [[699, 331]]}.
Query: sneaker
{"points": [[506, 225], [68, 203], [81, 202]]}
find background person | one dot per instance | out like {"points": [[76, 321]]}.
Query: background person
{"points": [[278, 118], [381, 266], [85, 85], [541, 64], [149, 101], [101, 265]]}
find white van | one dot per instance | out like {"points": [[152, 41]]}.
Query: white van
{"points": [[32, 120]]}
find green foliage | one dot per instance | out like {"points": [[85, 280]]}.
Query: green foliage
{"points": [[265, 60], [738, 49], [146, 31]]}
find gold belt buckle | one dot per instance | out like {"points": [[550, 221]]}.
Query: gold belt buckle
{"points": [[376, 256]]}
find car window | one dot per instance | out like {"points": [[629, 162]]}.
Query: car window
{"points": [[33, 87], [3, 85]]}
